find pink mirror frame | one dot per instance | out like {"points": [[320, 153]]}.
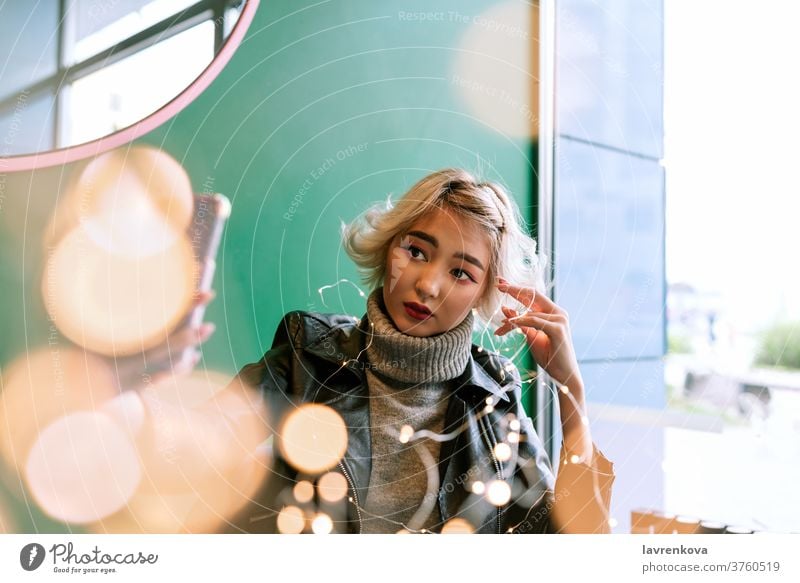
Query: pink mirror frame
{"points": [[149, 123]]}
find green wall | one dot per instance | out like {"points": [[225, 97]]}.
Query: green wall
{"points": [[348, 83]]}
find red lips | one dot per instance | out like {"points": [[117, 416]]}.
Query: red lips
{"points": [[417, 311]]}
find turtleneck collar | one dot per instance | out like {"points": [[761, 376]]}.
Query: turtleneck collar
{"points": [[413, 359]]}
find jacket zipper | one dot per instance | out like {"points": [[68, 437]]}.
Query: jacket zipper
{"points": [[489, 442], [355, 494]]}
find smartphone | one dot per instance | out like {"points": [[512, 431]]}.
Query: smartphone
{"points": [[211, 211]]}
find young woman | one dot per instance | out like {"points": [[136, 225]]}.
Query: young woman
{"points": [[437, 438]]}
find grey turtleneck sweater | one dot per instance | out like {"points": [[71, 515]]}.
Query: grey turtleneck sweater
{"points": [[408, 385]]}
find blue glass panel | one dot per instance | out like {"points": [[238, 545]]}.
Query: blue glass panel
{"points": [[609, 251], [27, 125], [28, 43], [609, 72]]}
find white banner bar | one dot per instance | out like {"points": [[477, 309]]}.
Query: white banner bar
{"points": [[400, 559]]}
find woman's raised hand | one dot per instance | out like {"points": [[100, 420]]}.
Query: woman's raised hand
{"points": [[546, 329]]}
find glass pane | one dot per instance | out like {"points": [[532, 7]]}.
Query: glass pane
{"points": [[609, 254], [28, 44], [733, 307], [609, 73], [100, 25], [136, 86], [27, 125]]}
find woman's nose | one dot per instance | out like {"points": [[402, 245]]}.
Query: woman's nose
{"points": [[427, 285]]}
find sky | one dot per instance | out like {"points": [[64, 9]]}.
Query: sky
{"points": [[732, 153]]}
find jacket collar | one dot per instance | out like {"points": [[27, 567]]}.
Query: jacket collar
{"points": [[349, 344]]}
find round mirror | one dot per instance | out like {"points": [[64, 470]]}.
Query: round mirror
{"points": [[78, 77]]}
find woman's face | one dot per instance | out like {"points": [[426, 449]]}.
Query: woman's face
{"points": [[435, 273]]}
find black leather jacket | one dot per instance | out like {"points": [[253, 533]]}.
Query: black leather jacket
{"points": [[320, 358]]}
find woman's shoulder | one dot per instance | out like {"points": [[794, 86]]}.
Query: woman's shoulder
{"points": [[304, 328]]}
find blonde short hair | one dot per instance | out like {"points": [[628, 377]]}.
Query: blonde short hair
{"points": [[487, 205]]}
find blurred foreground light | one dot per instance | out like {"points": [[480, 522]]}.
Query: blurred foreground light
{"points": [[457, 526], [313, 438], [117, 305], [82, 468], [502, 451], [131, 201], [291, 520], [494, 69], [44, 385], [6, 527], [201, 460], [478, 488], [303, 491], [322, 524], [498, 492], [332, 487]]}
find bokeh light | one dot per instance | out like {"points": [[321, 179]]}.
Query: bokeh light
{"points": [[457, 526], [291, 520], [322, 524], [6, 526], [82, 467], [117, 305], [44, 385], [332, 487], [303, 491], [200, 452], [495, 71], [131, 202], [498, 492], [502, 452], [313, 438]]}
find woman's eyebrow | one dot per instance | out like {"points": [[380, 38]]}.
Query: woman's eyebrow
{"points": [[433, 241]]}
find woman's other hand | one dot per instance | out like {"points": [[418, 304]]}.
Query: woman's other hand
{"points": [[546, 329]]}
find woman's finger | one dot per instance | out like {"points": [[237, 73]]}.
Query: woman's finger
{"points": [[550, 327], [180, 340], [527, 296], [505, 328], [204, 297]]}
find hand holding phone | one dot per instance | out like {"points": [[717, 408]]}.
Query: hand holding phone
{"points": [[179, 354]]}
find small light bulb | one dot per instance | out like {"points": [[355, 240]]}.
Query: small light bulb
{"points": [[322, 524], [478, 488], [513, 437], [406, 431], [502, 452], [514, 425], [498, 492]]}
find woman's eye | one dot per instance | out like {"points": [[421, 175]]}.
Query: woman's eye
{"points": [[414, 251], [462, 275]]}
